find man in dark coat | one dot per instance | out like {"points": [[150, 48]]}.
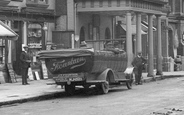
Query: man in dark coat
{"points": [[25, 64], [138, 64]]}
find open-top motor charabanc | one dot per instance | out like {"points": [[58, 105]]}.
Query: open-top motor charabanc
{"points": [[86, 67]]}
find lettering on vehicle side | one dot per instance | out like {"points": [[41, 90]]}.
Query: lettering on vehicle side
{"points": [[73, 62]]}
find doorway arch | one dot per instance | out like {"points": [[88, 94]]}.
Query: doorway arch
{"points": [[170, 40], [107, 33], [82, 34]]}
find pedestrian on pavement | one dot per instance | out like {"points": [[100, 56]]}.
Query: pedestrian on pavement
{"points": [[138, 64], [25, 64]]}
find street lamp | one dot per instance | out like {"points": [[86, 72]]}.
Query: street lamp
{"points": [[45, 28]]}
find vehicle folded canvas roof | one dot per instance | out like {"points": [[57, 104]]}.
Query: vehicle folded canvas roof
{"points": [[65, 53]]}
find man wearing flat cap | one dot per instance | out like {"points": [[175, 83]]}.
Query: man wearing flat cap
{"points": [[25, 64]]}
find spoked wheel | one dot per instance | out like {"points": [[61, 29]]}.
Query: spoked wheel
{"points": [[103, 87], [70, 89], [130, 81]]}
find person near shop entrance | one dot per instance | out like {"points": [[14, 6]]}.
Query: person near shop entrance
{"points": [[138, 64], [25, 64]]}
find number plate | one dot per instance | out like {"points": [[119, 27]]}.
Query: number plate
{"points": [[67, 77]]}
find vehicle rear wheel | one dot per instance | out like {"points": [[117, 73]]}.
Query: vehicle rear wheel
{"points": [[103, 87], [70, 89]]}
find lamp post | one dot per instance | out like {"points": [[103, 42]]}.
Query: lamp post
{"points": [[45, 35]]}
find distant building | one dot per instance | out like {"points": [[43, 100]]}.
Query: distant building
{"points": [[176, 28], [67, 23], [32, 20], [95, 22]]}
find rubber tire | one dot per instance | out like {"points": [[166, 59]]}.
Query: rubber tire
{"points": [[130, 82], [103, 88], [70, 89]]}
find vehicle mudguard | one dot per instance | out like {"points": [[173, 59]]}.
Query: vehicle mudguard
{"points": [[128, 72], [101, 77]]}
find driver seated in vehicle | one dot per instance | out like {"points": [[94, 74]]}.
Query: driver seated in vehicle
{"points": [[118, 47], [113, 47]]}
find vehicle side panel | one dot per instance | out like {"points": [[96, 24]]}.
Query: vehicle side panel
{"points": [[108, 59]]}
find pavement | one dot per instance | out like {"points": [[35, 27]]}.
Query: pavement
{"points": [[11, 93]]}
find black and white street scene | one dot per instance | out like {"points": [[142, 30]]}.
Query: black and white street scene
{"points": [[91, 57]]}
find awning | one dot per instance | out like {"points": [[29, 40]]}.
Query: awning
{"points": [[7, 33], [145, 25], [133, 29]]}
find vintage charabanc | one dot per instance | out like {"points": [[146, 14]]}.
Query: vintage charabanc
{"points": [[87, 67]]}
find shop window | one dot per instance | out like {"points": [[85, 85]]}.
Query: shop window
{"points": [[2, 51], [2, 46], [34, 38]]}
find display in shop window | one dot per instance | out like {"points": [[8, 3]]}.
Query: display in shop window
{"points": [[2, 51], [34, 37]]}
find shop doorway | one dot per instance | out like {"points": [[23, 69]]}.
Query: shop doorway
{"points": [[82, 34], [171, 50], [107, 35]]}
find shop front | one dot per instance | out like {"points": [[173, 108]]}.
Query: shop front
{"points": [[28, 19], [7, 35]]}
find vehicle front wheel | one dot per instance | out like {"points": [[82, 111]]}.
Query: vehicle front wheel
{"points": [[130, 81], [70, 89], [129, 84]]}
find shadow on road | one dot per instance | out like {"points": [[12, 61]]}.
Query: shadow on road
{"points": [[79, 93]]}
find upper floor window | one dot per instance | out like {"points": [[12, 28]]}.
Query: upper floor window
{"points": [[42, 1], [17, 0], [38, 1], [172, 5]]}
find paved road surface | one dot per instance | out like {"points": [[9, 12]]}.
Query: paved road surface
{"points": [[155, 98]]}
